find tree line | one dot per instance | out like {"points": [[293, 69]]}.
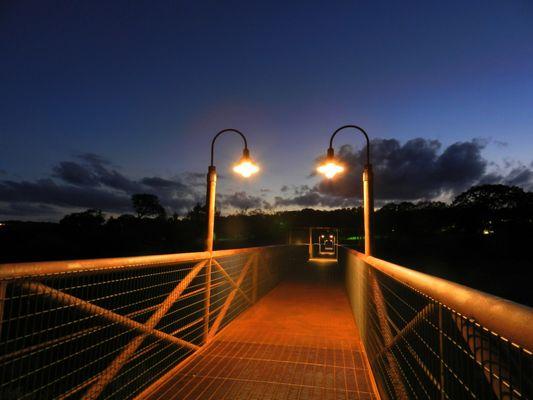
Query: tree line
{"points": [[487, 211], [480, 239]]}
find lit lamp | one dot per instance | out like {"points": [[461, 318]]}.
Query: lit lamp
{"points": [[331, 167], [245, 167]]}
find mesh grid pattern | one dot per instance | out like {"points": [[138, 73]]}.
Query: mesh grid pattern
{"points": [[421, 349], [109, 333]]}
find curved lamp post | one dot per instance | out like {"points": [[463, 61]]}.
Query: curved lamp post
{"points": [[244, 167], [331, 167]]}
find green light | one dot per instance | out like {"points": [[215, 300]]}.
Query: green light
{"points": [[353, 238]]}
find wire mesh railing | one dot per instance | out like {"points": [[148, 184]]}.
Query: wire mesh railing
{"points": [[109, 328], [427, 338]]}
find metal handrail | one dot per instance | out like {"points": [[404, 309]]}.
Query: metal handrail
{"points": [[32, 269], [79, 327], [427, 337], [508, 319]]}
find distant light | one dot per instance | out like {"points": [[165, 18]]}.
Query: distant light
{"points": [[488, 231], [330, 169], [355, 238], [2, 224]]}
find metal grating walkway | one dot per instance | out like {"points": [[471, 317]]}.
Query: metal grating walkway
{"points": [[298, 342]]}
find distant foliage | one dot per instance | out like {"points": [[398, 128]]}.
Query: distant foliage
{"points": [[487, 212], [494, 197], [481, 239], [91, 218], [148, 205]]}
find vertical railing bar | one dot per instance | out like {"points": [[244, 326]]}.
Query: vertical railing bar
{"points": [[491, 366], [520, 370], [474, 351], [441, 353], [510, 374], [207, 298], [500, 380]]}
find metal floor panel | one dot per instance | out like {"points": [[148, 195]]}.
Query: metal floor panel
{"points": [[299, 342]]}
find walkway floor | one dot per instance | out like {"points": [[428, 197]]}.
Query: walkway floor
{"points": [[298, 342]]}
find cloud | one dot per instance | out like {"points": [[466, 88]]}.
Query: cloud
{"points": [[75, 174], [93, 171], [48, 192], [161, 183], [419, 169], [305, 196], [244, 201], [92, 182], [18, 210], [521, 176]]}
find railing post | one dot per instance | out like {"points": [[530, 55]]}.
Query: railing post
{"points": [[368, 209], [310, 242], [441, 354], [210, 205], [207, 298]]}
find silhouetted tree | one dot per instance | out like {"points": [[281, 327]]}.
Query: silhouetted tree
{"points": [[492, 197], [199, 213], [91, 218], [147, 205], [494, 209]]}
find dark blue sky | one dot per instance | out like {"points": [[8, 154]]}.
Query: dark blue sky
{"points": [[145, 85]]}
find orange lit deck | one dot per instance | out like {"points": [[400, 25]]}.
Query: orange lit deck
{"points": [[298, 342]]}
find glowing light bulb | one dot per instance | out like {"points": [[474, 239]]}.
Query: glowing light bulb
{"points": [[330, 169], [246, 168]]}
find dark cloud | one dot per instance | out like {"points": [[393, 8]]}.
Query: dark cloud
{"points": [[75, 174], [94, 171], [93, 182], [522, 177], [304, 196], [419, 169], [18, 210], [48, 192], [243, 201], [416, 170], [161, 183]]}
